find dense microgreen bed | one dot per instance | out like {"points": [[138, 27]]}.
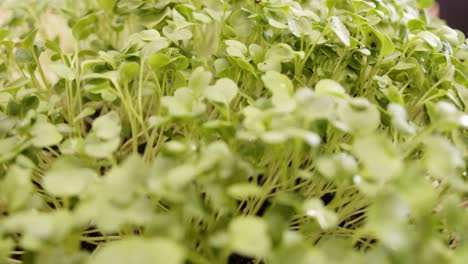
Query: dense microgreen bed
{"points": [[211, 131]]}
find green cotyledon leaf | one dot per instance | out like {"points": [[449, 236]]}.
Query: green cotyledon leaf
{"points": [[282, 89], [144, 251], [223, 91], [199, 80], [378, 41], [378, 156], [84, 27], [159, 60], [45, 134], [107, 4], [63, 71], [249, 237], [183, 103], [329, 87], [107, 126], [399, 119], [340, 30], [67, 177], [236, 48]]}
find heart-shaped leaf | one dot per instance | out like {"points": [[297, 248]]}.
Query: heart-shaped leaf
{"points": [[223, 91]]}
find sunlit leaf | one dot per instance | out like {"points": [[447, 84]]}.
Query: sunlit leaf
{"points": [[399, 119], [379, 157], [249, 237], [243, 191], [63, 71], [329, 87], [67, 177], [39, 227], [84, 27], [223, 91], [45, 135], [236, 48], [107, 4], [199, 80], [340, 30], [281, 88], [159, 60], [325, 218], [144, 251], [183, 103], [442, 158], [107, 126], [99, 148], [359, 116]]}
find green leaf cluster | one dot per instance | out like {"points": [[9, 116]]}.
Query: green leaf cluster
{"points": [[222, 131]]}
